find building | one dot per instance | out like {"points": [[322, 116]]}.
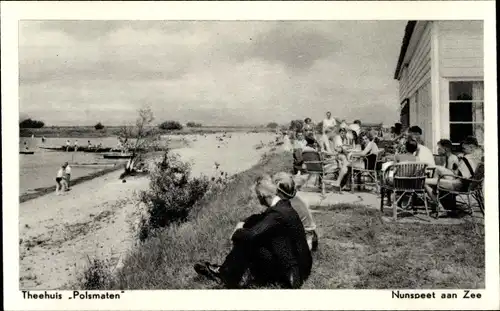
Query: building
{"points": [[440, 74]]}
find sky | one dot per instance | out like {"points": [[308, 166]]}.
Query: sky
{"points": [[216, 73]]}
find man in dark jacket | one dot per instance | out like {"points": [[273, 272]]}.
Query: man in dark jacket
{"points": [[272, 245]]}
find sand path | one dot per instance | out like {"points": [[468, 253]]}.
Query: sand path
{"points": [[58, 234]]}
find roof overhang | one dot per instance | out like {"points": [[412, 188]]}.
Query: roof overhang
{"points": [[410, 27]]}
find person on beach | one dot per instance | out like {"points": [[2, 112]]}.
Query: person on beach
{"points": [[43, 139], [68, 145], [60, 183], [67, 175], [76, 145], [271, 246]]}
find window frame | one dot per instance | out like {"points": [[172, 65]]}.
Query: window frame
{"points": [[450, 102]]}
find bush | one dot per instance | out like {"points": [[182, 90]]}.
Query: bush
{"points": [[31, 124], [272, 125], [99, 126], [171, 195], [171, 125], [193, 124], [296, 125], [97, 275]]}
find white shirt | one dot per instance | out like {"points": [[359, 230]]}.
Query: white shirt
{"points": [[329, 123], [299, 144], [302, 208], [275, 200], [425, 155], [325, 144], [355, 128], [60, 173], [337, 141], [67, 170]]}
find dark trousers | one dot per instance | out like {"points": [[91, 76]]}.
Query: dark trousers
{"points": [[261, 263]]}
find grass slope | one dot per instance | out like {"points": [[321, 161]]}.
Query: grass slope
{"points": [[357, 249]]}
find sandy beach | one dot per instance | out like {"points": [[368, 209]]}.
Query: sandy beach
{"points": [[58, 234]]}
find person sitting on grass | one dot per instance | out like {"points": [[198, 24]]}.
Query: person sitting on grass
{"points": [[302, 208], [270, 246]]}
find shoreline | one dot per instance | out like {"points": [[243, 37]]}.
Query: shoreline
{"points": [[113, 131], [99, 220], [46, 190]]}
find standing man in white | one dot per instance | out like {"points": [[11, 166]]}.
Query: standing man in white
{"points": [[329, 122]]}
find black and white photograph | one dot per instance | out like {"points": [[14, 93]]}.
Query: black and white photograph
{"points": [[204, 154]]}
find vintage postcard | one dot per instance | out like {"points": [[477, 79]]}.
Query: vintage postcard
{"points": [[250, 155]]}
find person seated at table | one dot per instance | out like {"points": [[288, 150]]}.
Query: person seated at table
{"points": [[445, 149], [466, 168], [311, 143], [300, 141], [411, 147], [325, 141], [352, 158], [423, 153], [340, 140], [298, 147], [271, 246]]}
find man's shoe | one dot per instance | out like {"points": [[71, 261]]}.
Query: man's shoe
{"points": [[208, 270]]}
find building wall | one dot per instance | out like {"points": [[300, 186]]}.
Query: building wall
{"points": [[415, 81], [461, 48], [461, 57]]}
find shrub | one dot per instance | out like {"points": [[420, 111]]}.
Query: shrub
{"points": [[29, 123], [97, 275], [193, 124], [171, 125], [99, 126], [171, 195]]}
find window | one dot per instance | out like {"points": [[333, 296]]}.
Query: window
{"points": [[466, 110]]}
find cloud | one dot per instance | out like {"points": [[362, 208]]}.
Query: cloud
{"points": [[209, 72]]}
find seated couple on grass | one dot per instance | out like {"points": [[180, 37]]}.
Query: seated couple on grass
{"points": [[272, 247]]}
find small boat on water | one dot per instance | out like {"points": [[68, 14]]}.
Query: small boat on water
{"points": [[26, 152], [117, 156]]}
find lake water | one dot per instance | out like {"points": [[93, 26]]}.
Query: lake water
{"points": [[39, 169]]}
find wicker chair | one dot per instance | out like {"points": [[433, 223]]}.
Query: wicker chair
{"points": [[409, 179], [370, 171], [315, 165], [471, 187]]}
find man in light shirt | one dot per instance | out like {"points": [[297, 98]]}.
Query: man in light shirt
{"points": [[329, 122], [423, 153], [300, 141]]}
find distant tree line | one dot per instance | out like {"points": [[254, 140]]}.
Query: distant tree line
{"points": [[193, 124], [31, 124], [170, 125]]}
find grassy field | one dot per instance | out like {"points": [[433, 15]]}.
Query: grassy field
{"points": [[357, 249], [91, 132]]}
